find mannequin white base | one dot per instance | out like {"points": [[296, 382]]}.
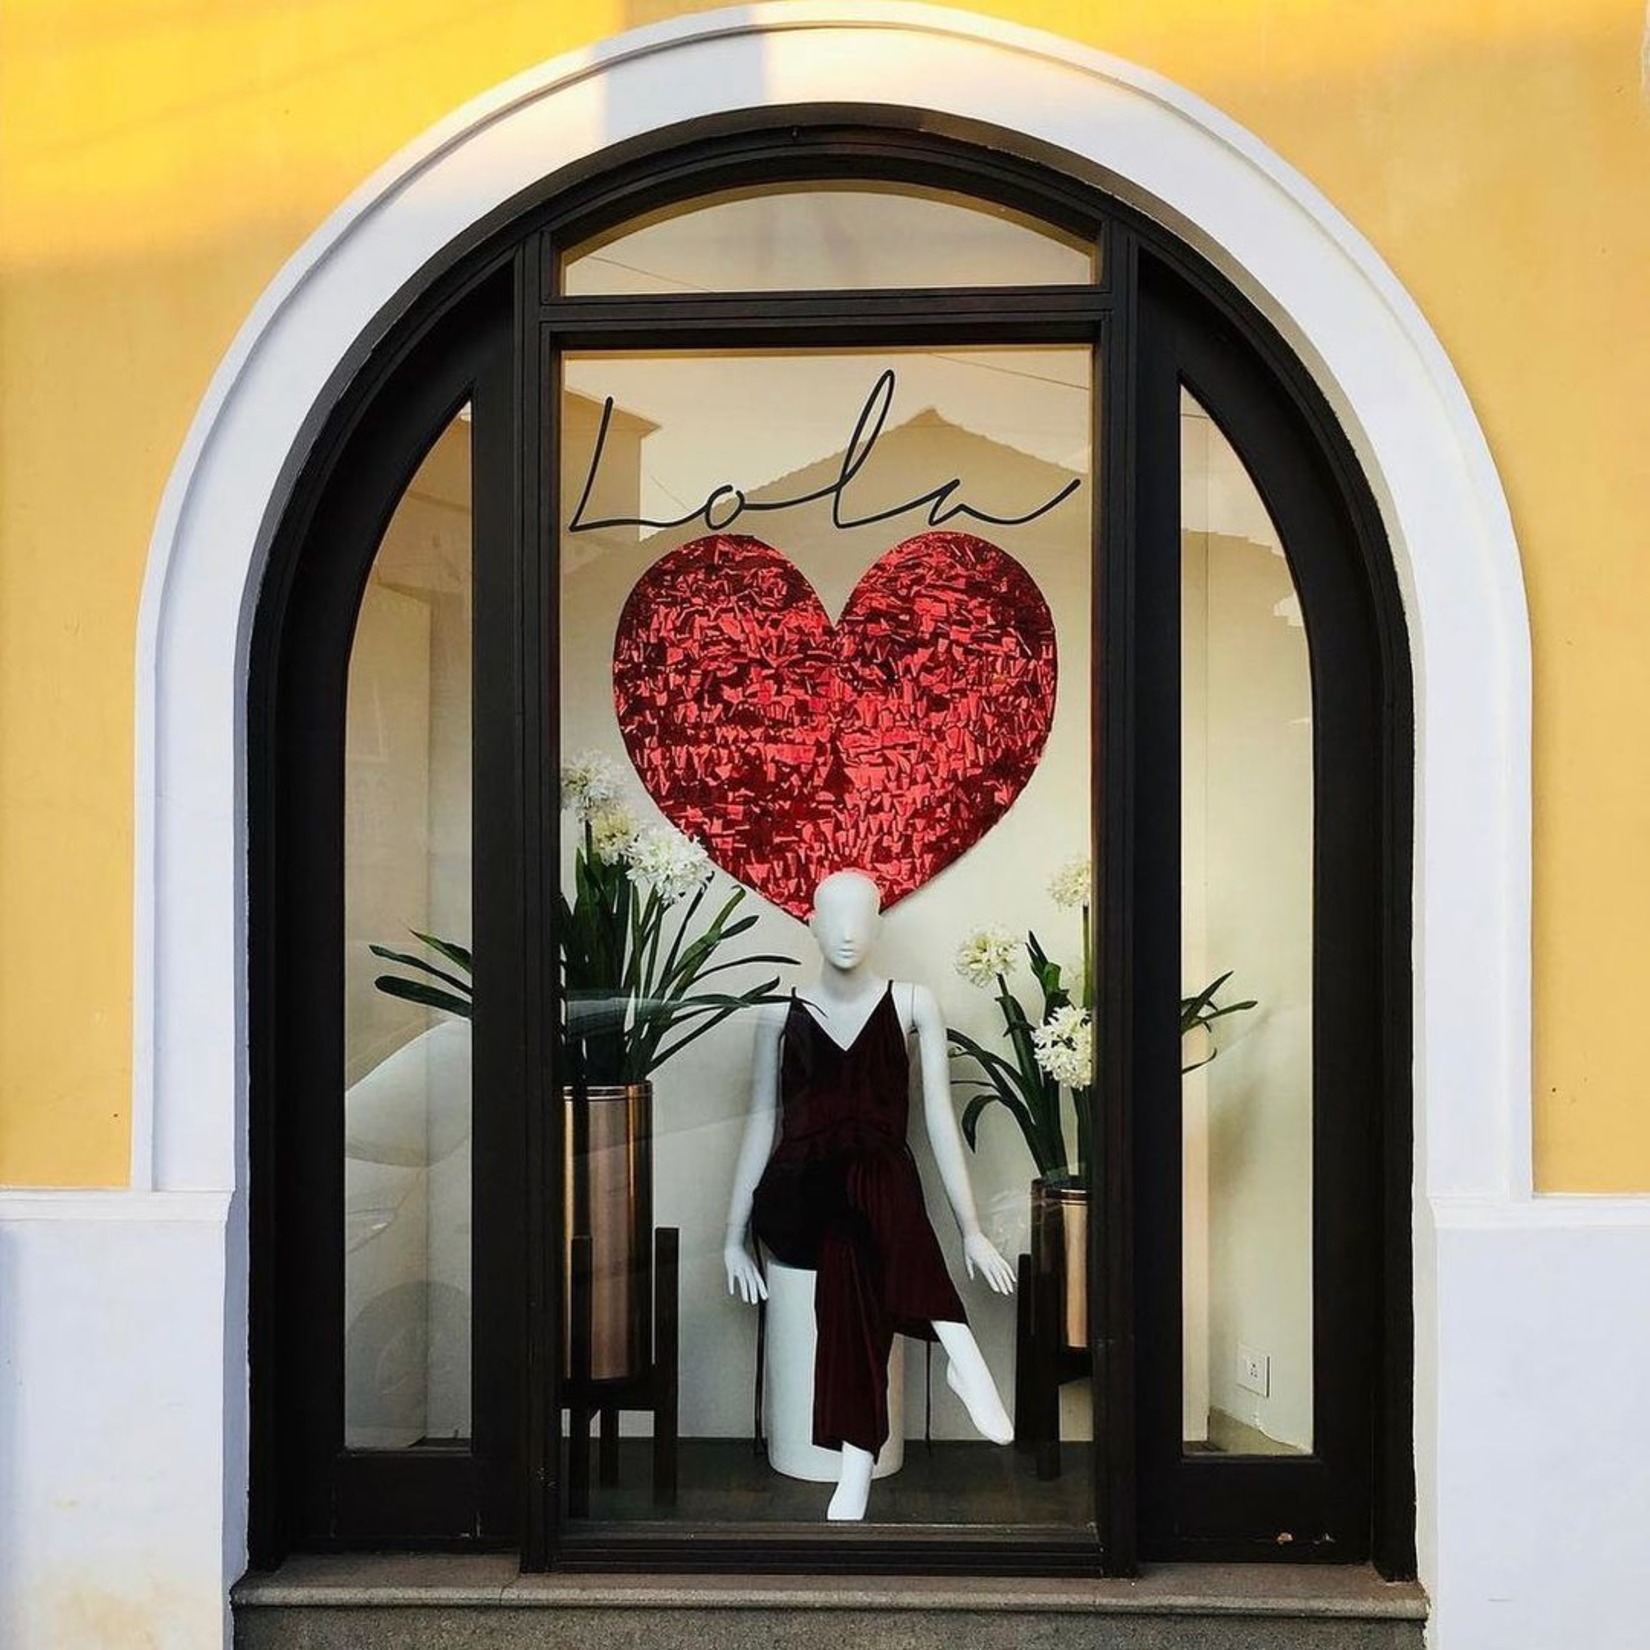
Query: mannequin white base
{"points": [[788, 1386]]}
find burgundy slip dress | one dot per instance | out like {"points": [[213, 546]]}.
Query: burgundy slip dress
{"points": [[841, 1197]]}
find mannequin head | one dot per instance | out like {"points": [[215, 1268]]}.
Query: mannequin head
{"points": [[847, 914]]}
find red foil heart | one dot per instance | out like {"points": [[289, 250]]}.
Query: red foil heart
{"points": [[890, 742]]}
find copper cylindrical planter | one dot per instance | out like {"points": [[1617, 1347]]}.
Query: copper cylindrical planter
{"points": [[607, 1177], [1060, 1248]]}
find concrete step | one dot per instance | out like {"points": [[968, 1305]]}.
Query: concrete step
{"points": [[484, 1603]]}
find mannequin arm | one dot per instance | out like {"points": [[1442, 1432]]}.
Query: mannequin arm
{"points": [[738, 1256], [979, 1253]]}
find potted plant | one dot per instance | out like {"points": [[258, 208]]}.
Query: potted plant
{"points": [[635, 950], [1046, 1059]]}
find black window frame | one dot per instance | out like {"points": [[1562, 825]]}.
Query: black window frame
{"points": [[486, 324]]}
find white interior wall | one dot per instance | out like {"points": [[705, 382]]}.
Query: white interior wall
{"points": [[1246, 890], [1259, 837], [386, 814], [1194, 945], [407, 868], [440, 515]]}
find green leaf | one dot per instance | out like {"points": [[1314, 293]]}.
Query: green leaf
{"points": [[971, 1118], [746, 962], [685, 970], [757, 994], [1201, 1012], [647, 950], [454, 953], [409, 961], [1192, 1007], [656, 982], [992, 1062], [1048, 977], [427, 996], [1025, 1102], [1025, 1054]]}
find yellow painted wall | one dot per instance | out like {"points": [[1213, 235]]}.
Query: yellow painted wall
{"points": [[160, 158]]}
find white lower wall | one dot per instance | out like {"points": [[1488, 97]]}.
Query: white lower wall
{"points": [[1542, 1399], [113, 1470]]}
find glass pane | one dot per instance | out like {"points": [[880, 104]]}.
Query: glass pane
{"points": [[821, 236], [1246, 914], [407, 1062], [827, 612]]}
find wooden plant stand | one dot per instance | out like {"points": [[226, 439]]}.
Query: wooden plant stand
{"points": [[655, 1390], [1042, 1365]]}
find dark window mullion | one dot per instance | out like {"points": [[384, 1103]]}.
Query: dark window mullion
{"points": [[1153, 884], [840, 319], [537, 730], [1110, 1264]]}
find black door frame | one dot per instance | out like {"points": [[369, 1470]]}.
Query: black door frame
{"points": [[499, 281], [1319, 1508], [307, 1488]]}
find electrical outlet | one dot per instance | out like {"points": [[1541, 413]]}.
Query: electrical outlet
{"points": [[1254, 1371]]}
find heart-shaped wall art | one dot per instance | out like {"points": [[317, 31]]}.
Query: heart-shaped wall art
{"points": [[889, 742]]}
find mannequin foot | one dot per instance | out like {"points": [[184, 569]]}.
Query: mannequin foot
{"points": [[853, 1488], [969, 1376]]}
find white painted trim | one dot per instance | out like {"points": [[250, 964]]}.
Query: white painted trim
{"points": [[1546, 1212], [211, 1208], [1258, 220]]}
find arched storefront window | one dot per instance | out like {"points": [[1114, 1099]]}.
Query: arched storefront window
{"points": [[754, 537]]}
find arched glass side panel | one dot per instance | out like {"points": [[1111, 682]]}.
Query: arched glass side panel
{"points": [[827, 236], [406, 1102], [1246, 939]]}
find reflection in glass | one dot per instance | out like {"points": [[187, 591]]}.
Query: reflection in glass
{"points": [[1246, 892], [820, 236], [407, 1063], [752, 450]]}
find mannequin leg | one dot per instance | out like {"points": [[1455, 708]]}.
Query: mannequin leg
{"points": [[969, 1376], [853, 1490]]}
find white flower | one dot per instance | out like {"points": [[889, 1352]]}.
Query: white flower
{"points": [[987, 953], [1064, 1044], [1073, 883], [589, 783], [613, 833], [672, 865]]}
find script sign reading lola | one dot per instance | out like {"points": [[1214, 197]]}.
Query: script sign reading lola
{"points": [[724, 504]]}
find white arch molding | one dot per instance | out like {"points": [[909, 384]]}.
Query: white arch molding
{"points": [[1148, 142]]}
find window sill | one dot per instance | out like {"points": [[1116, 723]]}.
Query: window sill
{"points": [[1322, 1605]]}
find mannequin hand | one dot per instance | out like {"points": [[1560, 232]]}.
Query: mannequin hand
{"points": [[744, 1276], [980, 1255]]}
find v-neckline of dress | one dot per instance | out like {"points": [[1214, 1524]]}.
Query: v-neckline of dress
{"points": [[886, 995]]}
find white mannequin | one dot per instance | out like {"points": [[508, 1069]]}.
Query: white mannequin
{"points": [[846, 917]]}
